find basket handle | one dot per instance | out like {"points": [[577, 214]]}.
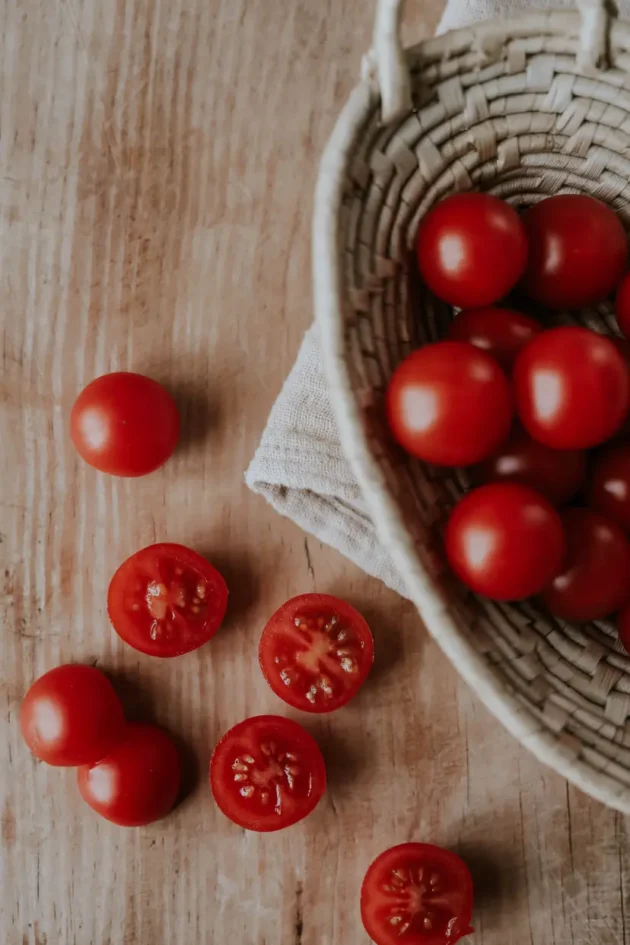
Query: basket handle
{"points": [[387, 65]]}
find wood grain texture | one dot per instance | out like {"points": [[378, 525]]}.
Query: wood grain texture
{"points": [[158, 161]]}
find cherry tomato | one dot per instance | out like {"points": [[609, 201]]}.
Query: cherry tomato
{"points": [[593, 581], [557, 474], [166, 600], [502, 332], [623, 627], [505, 541], [472, 249], [316, 652], [417, 894], [571, 388], [267, 773], [610, 484], [137, 782], [622, 305], [449, 403], [71, 715], [577, 251], [124, 424]]}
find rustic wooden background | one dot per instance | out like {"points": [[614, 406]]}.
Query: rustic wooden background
{"points": [[157, 167]]}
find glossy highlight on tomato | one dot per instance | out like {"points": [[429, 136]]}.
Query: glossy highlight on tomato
{"points": [[449, 404], [267, 773], [417, 894], [71, 715], [124, 424], [316, 652], [504, 541], [166, 600], [472, 249], [501, 332]]}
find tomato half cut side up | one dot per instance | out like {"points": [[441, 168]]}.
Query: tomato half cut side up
{"points": [[417, 894], [267, 773], [166, 600], [316, 652]]}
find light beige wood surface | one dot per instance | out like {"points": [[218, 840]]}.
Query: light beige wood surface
{"points": [[157, 168]]}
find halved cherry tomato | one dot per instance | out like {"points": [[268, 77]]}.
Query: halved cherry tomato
{"points": [[316, 652], [124, 424], [137, 782], [505, 541], [571, 388], [417, 894], [593, 581], [71, 716], [472, 249], [610, 484], [622, 305], [557, 474], [267, 773], [449, 403], [502, 332], [166, 600]]}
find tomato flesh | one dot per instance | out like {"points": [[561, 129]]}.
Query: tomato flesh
{"points": [[316, 652], [417, 894], [267, 773], [166, 600]]}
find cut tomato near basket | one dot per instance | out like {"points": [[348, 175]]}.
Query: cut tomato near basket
{"points": [[501, 332], [593, 581], [417, 894], [166, 600], [609, 491], [316, 652], [267, 773]]}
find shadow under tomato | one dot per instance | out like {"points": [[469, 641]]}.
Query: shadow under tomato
{"points": [[242, 580], [344, 759], [191, 771], [490, 874]]}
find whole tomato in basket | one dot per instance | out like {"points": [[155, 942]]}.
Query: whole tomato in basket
{"points": [[502, 332]]}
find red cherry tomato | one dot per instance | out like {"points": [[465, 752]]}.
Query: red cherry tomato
{"points": [[267, 773], [124, 424], [316, 652], [593, 581], [449, 403], [472, 249], [557, 474], [578, 251], [417, 894], [137, 782], [505, 541], [571, 388], [622, 305], [502, 332], [166, 600], [71, 715], [610, 484]]}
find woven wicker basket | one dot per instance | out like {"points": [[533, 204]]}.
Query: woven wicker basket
{"points": [[521, 108]]}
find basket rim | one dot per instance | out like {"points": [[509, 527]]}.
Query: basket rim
{"points": [[383, 509]]}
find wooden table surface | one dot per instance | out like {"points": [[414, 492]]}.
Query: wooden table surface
{"points": [[157, 169]]}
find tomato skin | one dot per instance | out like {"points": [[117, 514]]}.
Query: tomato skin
{"points": [[472, 249], [501, 332], [571, 388], [556, 474], [147, 592], [400, 884], [622, 305], [289, 642], [609, 491], [504, 541], [578, 251], [71, 715], [449, 404], [267, 773], [593, 581], [124, 424], [137, 782]]}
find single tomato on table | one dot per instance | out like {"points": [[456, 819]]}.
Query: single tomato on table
{"points": [[472, 249], [610, 484], [124, 424], [166, 600], [504, 541], [418, 894], [449, 403], [137, 782], [501, 332], [316, 652], [71, 715], [571, 388], [267, 773]]}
